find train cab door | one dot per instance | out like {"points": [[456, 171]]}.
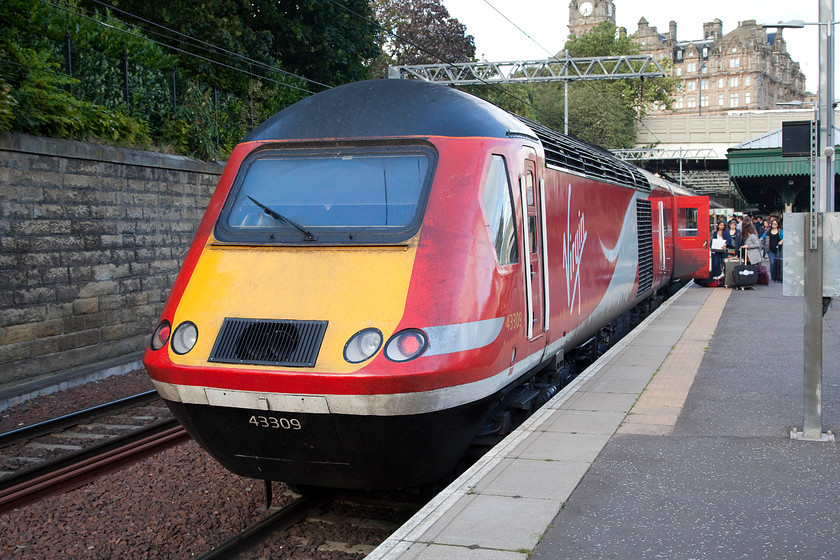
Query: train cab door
{"points": [[533, 209], [691, 242]]}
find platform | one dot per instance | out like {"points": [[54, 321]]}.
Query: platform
{"points": [[674, 444]]}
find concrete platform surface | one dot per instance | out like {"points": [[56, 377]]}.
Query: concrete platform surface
{"points": [[674, 444]]}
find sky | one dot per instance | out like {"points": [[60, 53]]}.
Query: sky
{"points": [[546, 24]]}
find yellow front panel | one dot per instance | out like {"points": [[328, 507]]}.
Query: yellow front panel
{"points": [[351, 287]]}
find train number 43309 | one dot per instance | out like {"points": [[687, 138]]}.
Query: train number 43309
{"points": [[275, 423]]}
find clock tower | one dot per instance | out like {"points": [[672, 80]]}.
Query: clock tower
{"points": [[586, 14]]}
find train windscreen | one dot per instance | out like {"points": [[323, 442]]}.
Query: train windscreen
{"points": [[347, 195]]}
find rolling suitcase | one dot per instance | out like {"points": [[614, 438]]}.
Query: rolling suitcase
{"points": [[777, 269], [763, 276], [745, 275], [729, 265]]}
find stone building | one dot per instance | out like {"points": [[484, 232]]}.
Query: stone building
{"points": [[745, 69]]}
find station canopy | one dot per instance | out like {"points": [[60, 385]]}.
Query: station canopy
{"points": [[769, 181]]}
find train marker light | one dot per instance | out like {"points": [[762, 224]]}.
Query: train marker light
{"points": [[362, 345], [160, 336], [406, 345], [184, 337]]}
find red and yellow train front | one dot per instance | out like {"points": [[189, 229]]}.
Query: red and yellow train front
{"points": [[340, 317]]}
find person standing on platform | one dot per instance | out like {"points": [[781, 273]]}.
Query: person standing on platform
{"points": [[735, 236], [720, 242], [759, 225], [773, 239], [751, 243]]}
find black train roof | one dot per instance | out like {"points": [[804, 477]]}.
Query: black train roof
{"points": [[389, 108], [383, 108]]}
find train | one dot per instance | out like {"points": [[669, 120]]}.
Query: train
{"points": [[390, 271]]}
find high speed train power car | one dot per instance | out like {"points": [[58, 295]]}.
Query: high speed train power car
{"points": [[390, 269]]}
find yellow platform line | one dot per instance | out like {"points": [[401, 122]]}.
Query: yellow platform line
{"points": [[659, 406]]}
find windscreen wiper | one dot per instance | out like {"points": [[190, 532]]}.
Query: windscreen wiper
{"points": [[281, 218]]}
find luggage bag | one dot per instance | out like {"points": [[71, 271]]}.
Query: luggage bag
{"points": [[763, 276], [777, 270], [729, 265], [745, 275]]}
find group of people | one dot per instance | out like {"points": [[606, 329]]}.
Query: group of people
{"points": [[756, 236]]}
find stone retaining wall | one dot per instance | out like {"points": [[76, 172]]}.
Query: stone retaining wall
{"points": [[91, 239]]}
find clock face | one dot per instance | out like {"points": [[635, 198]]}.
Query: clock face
{"points": [[585, 9]]}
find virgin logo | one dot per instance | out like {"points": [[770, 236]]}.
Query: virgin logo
{"points": [[572, 253]]}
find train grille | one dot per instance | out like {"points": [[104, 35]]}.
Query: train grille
{"points": [[267, 342], [645, 231]]}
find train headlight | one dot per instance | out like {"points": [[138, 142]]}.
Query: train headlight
{"points": [[406, 345], [184, 337], [161, 335], [362, 345]]}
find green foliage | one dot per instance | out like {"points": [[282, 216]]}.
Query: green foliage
{"points": [[606, 113], [420, 32], [7, 107], [602, 40], [37, 100], [218, 96], [519, 99]]}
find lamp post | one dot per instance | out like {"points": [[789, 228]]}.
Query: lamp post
{"points": [[822, 200]]}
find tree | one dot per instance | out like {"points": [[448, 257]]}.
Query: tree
{"points": [[332, 42], [421, 32], [605, 113]]}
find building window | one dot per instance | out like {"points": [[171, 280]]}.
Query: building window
{"points": [[720, 82], [705, 52], [746, 98], [678, 104], [733, 81], [691, 102], [747, 80], [691, 86], [735, 62], [705, 84], [720, 99], [679, 71], [733, 99], [679, 54], [691, 67], [704, 100]]}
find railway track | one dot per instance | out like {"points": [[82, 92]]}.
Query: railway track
{"points": [[66, 452], [344, 523]]}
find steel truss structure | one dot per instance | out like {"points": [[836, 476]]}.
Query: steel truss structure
{"points": [[645, 154], [530, 71]]}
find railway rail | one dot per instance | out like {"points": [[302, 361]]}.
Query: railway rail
{"points": [[352, 523], [66, 452]]}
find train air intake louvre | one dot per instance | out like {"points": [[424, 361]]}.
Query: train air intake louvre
{"points": [[645, 232], [267, 342], [567, 152]]}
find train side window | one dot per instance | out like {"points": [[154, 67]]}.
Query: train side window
{"points": [[532, 233], [498, 208], [687, 222], [529, 186]]}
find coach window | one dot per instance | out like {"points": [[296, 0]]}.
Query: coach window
{"points": [[532, 220], [498, 208], [687, 222]]}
